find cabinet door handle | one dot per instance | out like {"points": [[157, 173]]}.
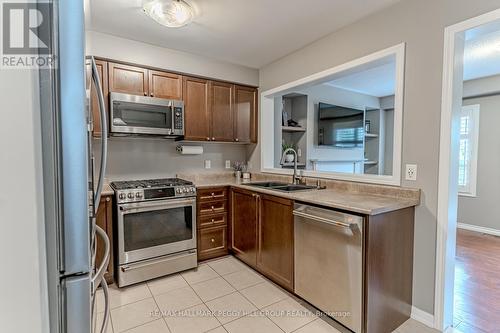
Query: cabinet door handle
{"points": [[213, 139], [145, 93], [208, 139], [213, 240], [108, 199], [236, 139], [152, 94]]}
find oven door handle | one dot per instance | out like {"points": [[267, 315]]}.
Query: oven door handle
{"points": [[144, 206]]}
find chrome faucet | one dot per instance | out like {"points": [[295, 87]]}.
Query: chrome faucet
{"points": [[296, 178]]}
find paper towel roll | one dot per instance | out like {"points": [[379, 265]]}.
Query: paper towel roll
{"points": [[190, 150]]}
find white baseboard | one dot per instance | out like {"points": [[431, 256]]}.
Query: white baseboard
{"points": [[421, 316], [476, 228]]}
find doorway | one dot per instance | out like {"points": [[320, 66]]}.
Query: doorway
{"points": [[458, 175]]}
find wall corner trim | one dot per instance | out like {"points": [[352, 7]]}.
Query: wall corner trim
{"points": [[423, 317], [483, 230]]}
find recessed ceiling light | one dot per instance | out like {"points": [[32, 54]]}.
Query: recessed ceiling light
{"points": [[170, 13]]}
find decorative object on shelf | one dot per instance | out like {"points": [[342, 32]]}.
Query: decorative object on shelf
{"points": [[289, 157], [284, 115], [247, 175], [238, 168], [189, 150], [170, 13], [367, 126], [292, 123]]}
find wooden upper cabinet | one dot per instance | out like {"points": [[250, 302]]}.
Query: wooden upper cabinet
{"points": [[245, 114], [244, 214], [165, 85], [222, 95], [275, 255], [102, 69], [128, 79], [196, 109]]}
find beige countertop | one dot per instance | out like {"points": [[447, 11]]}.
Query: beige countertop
{"points": [[363, 203], [107, 190]]}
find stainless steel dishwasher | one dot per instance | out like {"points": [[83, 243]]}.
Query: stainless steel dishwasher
{"points": [[329, 262]]}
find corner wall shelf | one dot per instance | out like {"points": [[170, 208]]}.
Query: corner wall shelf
{"points": [[292, 129], [371, 135]]}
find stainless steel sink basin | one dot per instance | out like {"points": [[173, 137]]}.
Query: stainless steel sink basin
{"points": [[293, 188], [267, 184], [282, 186]]}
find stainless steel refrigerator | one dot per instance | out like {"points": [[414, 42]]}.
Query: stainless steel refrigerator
{"points": [[72, 189]]}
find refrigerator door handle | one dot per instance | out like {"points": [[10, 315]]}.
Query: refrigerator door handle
{"points": [[104, 134], [99, 274]]}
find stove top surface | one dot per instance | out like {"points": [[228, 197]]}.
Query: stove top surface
{"points": [[149, 183]]}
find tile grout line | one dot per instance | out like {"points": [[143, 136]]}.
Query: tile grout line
{"points": [[203, 302], [158, 306]]}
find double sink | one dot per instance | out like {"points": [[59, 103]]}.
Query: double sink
{"points": [[283, 187]]}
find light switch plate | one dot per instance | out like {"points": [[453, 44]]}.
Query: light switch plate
{"points": [[208, 164], [411, 172], [228, 164]]}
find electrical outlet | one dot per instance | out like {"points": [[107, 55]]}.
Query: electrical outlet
{"points": [[299, 152], [228, 164], [411, 172], [208, 164]]}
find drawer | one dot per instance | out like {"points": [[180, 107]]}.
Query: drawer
{"points": [[212, 221], [212, 242], [210, 194], [211, 208]]}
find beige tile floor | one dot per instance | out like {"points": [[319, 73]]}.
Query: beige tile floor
{"points": [[219, 296]]}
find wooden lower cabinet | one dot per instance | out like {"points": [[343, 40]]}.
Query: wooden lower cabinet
{"points": [[244, 215], [212, 242], [104, 220], [262, 234], [211, 221], [275, 239]]}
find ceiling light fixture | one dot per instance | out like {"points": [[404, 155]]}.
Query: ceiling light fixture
{"points": [[170, 13]]}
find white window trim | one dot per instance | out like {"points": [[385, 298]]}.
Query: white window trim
{"points": [[474, 111]]}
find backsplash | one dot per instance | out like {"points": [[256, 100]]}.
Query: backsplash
{"points": [[146, 158]]}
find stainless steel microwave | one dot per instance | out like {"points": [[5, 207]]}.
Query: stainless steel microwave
{"points": [[143, 115]]}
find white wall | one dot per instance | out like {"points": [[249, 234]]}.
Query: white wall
{"points": [[143, 158], [420, 24], [482, 210], [23, 301], [117, 48]]}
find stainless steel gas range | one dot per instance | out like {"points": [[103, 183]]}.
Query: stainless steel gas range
{"points": [[156, 228]]}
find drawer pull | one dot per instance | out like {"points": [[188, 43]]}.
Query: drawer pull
{"points": [[213, 220], [213, 194], [213, 240]]}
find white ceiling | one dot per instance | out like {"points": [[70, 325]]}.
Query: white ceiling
{"points": [[252, 33], [482, 51], [379, 81]]}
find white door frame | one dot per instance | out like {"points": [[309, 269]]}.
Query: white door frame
{"points": [[447, 186]]}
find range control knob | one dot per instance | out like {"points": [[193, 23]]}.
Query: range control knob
{"points": [[178, 190], [122, 196], [138, 195], [191, 190], [185, 190], [130, 195]]}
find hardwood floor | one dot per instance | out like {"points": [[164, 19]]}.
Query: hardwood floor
{"points": [[477, 283]]}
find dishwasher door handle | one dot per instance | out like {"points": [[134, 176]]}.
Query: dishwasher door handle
{"points": [[350, 226]]}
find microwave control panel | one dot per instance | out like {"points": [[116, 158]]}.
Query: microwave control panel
{"points": [[178, 121]]}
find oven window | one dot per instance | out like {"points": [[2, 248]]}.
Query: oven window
{"points": [[141, 115], [159, 227]]}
